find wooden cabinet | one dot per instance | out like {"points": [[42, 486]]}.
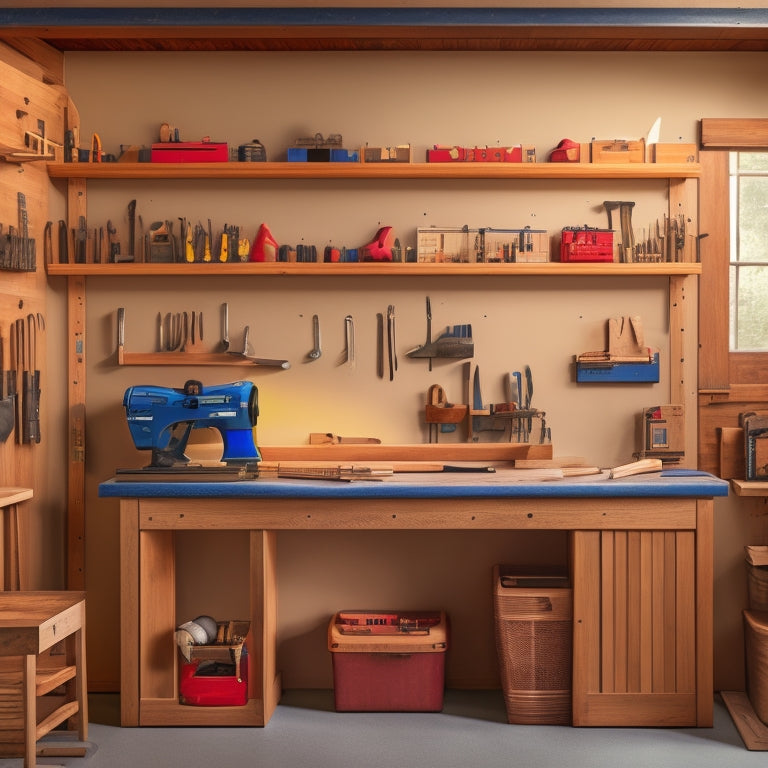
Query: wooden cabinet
{"points": [[641, 563]]}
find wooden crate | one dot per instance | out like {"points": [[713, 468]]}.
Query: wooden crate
{"points": [[618, 151]]}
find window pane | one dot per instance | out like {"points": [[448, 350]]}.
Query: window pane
{"points": [[753, 161], [750, 328], [753, 218]]}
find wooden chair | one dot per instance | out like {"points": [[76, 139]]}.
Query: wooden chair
{"points": [[11, 572], [42, 673]]}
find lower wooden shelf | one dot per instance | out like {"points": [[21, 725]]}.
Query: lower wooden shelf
{"points": [[749, 487]]}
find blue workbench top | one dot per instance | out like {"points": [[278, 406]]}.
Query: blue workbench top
{"points": [[437, 485]]}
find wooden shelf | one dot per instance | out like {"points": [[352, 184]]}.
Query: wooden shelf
{"points": [[169, 171], [551, 268], [196, 359], [749, 487]]}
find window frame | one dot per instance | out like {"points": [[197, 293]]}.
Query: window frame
{"points": [[720, 370]]}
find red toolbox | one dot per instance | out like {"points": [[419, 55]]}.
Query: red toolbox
{"points": [[388, 661], [586, 244], [210, 683], [190, 152], [215, 674]]}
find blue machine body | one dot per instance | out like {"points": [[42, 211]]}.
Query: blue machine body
{"points": [[160, 419]]}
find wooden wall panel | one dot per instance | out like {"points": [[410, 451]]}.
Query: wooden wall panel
{"points": [[29, 103]]}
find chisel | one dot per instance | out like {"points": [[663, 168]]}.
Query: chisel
{"points": [[63, 242]]}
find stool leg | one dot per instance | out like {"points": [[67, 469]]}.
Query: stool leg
{"points": [[81, 683], [11, 567], [29, 684]]}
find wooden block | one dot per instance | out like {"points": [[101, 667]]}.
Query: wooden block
{"points": [[732, 463], [618, 151], [673, 153]]}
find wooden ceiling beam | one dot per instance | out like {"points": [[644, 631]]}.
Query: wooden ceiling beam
{"points": [[425, 28]]}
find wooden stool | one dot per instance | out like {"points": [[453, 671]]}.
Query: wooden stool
{"points": [[12, 560], [31, 624]]}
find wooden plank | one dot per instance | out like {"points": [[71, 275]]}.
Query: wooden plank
{"points": [[412, 514], [646, 660], [634, 617], [683, 354], [415, 452], [685, 613], [585, 565], [670, 610], [625, 710], [620, 619], [658, 619], [264, 551], [157, 614], [30, 708], [704, 612], [713, 292], [733, 132], [289, 170], [129, 612], [76, 430], [35, 58], [608, 609], [753, 731], [732, 453]]}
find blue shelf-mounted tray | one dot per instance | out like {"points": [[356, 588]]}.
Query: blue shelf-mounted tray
{"points": [[618, 372]]}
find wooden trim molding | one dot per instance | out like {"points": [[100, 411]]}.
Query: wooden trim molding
{"points": [[729, 382], [734, 133]]}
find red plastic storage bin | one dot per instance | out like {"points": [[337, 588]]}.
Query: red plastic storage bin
{"points": [[388, 661]]}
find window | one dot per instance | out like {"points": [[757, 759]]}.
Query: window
{"points": [[748, 270]]}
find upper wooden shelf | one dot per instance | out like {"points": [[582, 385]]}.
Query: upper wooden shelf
{"points": [[372, 171], [387, 28], [373, 268]]}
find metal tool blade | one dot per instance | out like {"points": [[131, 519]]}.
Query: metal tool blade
{"points": [[528, 396], [225, 326], [121, 327], [653, 133], [248, 353], [380, 345]]}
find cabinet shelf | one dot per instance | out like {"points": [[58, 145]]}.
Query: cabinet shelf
{"points": [[749, 487], [552, 268], [277, 170]]}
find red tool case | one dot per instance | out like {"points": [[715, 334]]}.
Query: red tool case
{"points": [[216, 675], [207, 683], [190, 152], [388, 661], [586, 244]]}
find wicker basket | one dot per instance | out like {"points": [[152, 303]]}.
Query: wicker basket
{"points": [[756, 652], [757, 577], [534, 628]]}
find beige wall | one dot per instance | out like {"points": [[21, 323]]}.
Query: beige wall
{"points": [[386, 98]]}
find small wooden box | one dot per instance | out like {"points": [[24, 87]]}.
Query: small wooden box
{"points": [[673, 153], [618, 151]]}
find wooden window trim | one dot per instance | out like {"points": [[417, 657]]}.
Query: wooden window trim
{"points": [[743, 374]]}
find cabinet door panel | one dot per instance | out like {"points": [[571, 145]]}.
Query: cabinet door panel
{"points": [[634, 628]]}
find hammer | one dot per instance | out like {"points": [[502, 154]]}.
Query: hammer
{"points": [[627, 249]]}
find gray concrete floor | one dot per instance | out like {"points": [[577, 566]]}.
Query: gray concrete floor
{"points": [[470, 732]]}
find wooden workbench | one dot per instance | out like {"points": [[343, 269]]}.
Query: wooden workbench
{"points": [[640, 562]]}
